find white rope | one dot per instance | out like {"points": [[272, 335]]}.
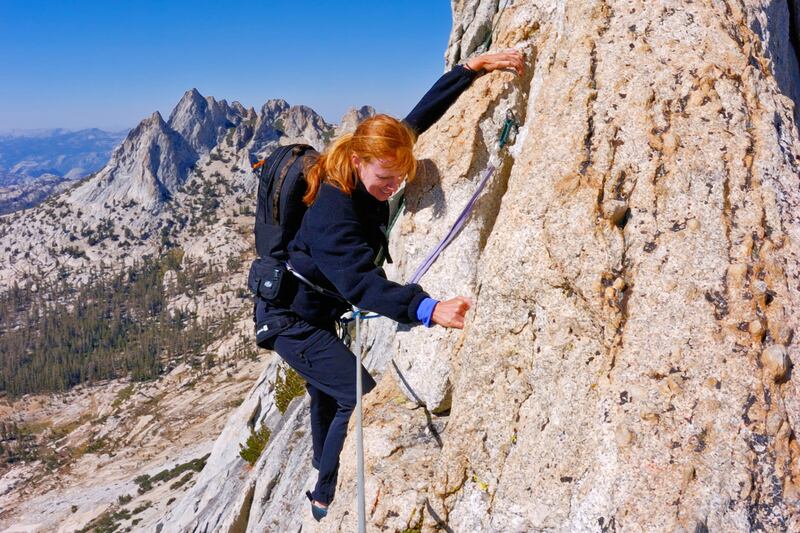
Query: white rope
{"points": [[359, 435]]}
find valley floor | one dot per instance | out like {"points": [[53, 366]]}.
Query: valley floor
{"points": [[119, 452]]}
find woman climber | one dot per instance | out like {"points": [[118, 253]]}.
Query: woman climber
{"points": [[335, 249]]}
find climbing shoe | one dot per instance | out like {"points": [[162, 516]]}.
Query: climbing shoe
{"points": [[317, 512]]}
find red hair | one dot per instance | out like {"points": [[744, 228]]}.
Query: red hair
{"points": [[380, 137]]}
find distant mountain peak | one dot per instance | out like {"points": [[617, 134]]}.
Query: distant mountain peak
{"points": [[192, 96], [152, 162], [157, 119], [274, 107], [204, 121], [157, 155], [353, 117]]}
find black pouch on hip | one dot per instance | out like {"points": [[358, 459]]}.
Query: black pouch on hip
{"points": [[271, 281], [270, 286]]}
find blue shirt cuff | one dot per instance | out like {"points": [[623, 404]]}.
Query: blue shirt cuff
{"points": [[425, 311]]}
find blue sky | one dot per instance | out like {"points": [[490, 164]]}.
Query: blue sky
{"points": [[109, 64]]}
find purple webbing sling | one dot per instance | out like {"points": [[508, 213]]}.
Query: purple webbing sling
{"points": [[459, 223]]}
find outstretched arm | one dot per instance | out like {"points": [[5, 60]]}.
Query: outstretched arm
{"points": [[489, 62], [342, 254], [449, 87], [451, 313]]}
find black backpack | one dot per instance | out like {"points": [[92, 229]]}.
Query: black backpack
{"points": [[279, 212]]}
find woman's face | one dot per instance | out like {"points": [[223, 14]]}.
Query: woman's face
{"points": [[378, 177]]}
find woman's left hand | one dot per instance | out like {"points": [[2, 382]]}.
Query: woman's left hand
{"points": [[512, 59], [451, 313]]}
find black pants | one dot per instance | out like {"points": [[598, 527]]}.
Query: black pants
{"points": [[329, 369]]}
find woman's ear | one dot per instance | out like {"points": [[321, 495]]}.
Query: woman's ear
{"points": [[355, 159]]}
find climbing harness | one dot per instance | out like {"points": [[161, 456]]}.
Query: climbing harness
{"points": [[510, 127]]}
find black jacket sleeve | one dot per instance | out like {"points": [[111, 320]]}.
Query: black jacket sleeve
{"points": [[343, 255], [439, 98]]}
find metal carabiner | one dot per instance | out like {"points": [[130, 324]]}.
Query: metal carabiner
{"points": [[510, 124]]}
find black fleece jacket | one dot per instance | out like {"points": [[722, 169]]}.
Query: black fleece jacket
{"points": [[341, 235]]}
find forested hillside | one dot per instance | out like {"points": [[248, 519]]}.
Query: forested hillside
{"points": [[54, 335]]}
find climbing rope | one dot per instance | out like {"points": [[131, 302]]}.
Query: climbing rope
{"points": [[487, 43], [362, 527], [510, 126]]}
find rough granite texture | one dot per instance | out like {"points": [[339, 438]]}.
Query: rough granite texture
{"points": [[635, 264]]}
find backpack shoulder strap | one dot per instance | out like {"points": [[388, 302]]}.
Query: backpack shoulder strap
{"points": [[267, 173], [297, 152]]}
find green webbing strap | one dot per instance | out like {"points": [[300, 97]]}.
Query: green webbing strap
{"points": [[400, 207], [487, 43]]}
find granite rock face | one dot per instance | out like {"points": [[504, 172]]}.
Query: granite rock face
{"points": [[634, 261], [628, 372], [302, 124], [222, 498]]}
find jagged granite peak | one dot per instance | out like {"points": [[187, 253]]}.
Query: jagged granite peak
{"points": [[154, 119], [273, 108], [147, 167], [243, 134], [239, 108], [157, 155], [204, 121], [268, 129], [353, 117], [302, 122], [280, 123]]}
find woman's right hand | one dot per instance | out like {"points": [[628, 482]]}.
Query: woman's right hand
{"points": [[510, 59], [451, 313]]}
